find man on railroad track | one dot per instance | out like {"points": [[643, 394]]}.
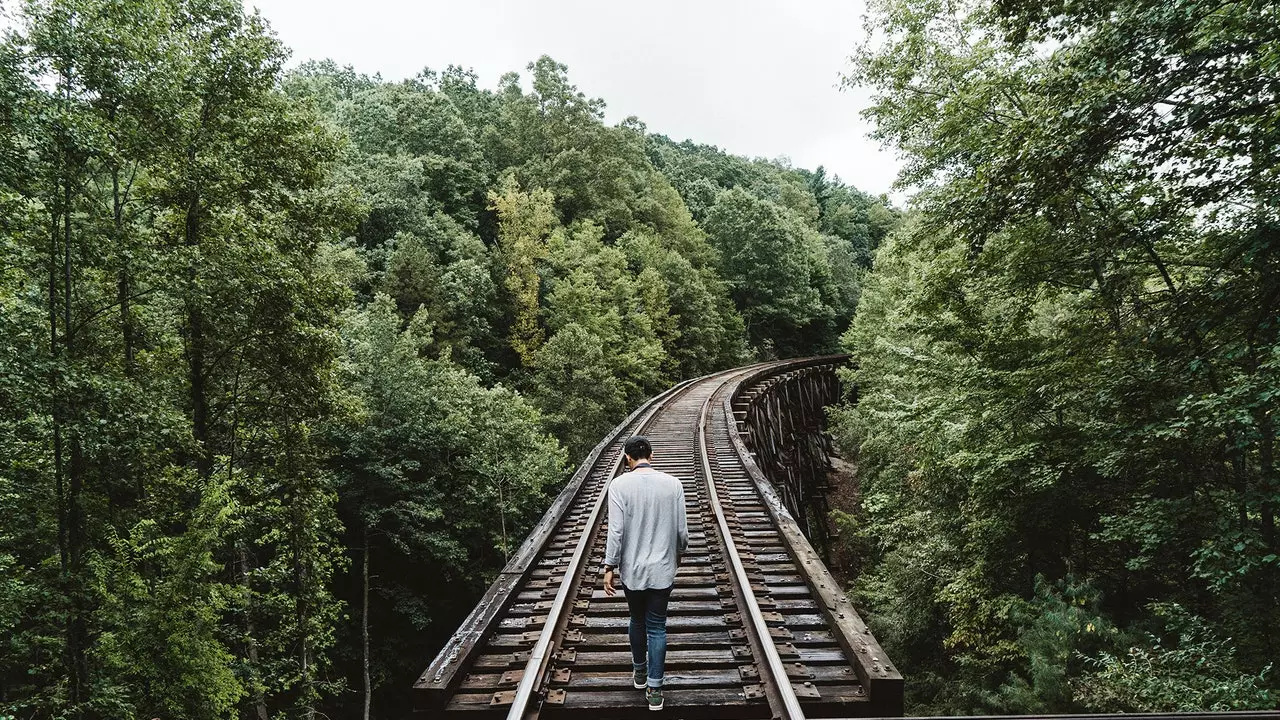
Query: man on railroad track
{"points": [[647, 533]]}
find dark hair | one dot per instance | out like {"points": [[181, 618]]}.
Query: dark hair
{"points": [[638, 448]]}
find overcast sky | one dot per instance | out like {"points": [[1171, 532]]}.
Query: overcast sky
{"points": [[759, 79]]}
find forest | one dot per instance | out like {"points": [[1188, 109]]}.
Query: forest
{"points": [[292, 356], [1068, 360], [290, 360]]}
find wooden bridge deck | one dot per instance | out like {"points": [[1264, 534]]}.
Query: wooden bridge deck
{"points": [[757, 626]]}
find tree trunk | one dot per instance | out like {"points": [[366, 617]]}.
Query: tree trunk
{"points": [[56, 412], [123, 280], [309, 710], [259, 700], [302, 578], [77, 627], [364, 625], [1266, 459], [502, 515], [195, 332], [196, 370], [304, 615]]}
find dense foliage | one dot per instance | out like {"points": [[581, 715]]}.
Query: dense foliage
{"points": [[1070, 358], [290, 362]]}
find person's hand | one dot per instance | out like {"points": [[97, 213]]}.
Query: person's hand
{"points": [[608, 583]]}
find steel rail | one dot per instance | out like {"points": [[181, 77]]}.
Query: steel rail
{"points": [[535, 668], [790, 709]]}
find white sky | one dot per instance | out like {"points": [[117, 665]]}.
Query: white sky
{"points": [[755, 78]]}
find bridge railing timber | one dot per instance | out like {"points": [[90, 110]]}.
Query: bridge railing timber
{"points": [[782, 419], [757, 627]]}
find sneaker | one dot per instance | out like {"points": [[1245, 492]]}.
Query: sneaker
{"points": [[639, 678], [653, 696]]}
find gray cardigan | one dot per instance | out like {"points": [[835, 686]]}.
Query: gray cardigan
{"points": [[647, 528]]}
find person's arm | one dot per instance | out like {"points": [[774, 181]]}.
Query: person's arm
{"points": [[613, 543], [682, 526]]}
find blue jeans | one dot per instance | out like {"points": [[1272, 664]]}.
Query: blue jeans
{"points": [[648, 627]]}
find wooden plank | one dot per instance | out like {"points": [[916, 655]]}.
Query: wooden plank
{"points": [[674, 607], [673, 699], [698, 639], [676, 659], [837, 678], [621, 679], [673, 621]]}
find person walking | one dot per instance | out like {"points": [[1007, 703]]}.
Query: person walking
{"points": [[647, 533]]}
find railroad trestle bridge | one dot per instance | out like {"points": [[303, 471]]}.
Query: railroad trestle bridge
{"points": [[757, 625]]}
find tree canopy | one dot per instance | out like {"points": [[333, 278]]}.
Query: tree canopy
{"points": [[1068, 357]]}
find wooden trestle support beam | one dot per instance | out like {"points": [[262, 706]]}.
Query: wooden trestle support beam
{"points": [[782, 421]]}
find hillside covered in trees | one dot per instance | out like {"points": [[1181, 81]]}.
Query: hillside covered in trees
{"points": [[289, 361], [1069, 358]]}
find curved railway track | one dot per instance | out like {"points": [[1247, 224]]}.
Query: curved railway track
{"points": [[756, 626]]}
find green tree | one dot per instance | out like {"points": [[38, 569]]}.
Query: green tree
{"points": [[162, 237], [704, 331], [616, 318], [774, 265], [578, 393], [440, 478], [407, 121], [525, 219], [1067, 363], [1197, 670], [446, 272]]}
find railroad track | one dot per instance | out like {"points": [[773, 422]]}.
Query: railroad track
{"points": [[757, 627]]}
